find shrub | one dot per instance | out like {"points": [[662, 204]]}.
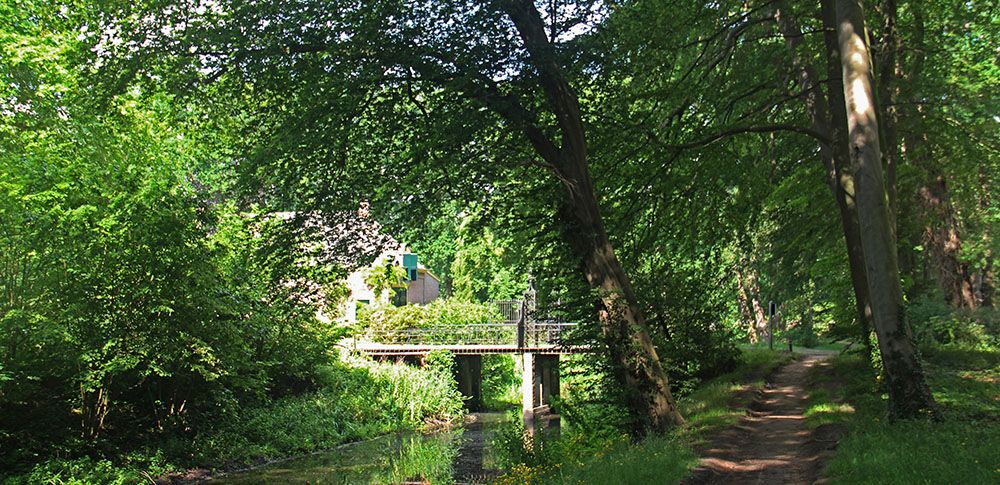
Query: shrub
{"points": [[358, 400], [694, 351], [934, 322], [501, 382], [441, 312], [81, 471]]}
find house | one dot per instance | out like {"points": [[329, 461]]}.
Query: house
{"points": [[419, 287], [354, 240]]}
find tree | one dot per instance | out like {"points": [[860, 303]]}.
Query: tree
{"points": [[622, 320], [828, 118], [909, 394], [414, 69], [941, 234]]}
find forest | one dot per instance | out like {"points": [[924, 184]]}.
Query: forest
{"points": [[747, 209]]}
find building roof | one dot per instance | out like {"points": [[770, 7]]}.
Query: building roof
{"points": [[352, 239]]}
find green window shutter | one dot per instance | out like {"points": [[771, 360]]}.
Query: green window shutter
{"points": [[410, 263]]}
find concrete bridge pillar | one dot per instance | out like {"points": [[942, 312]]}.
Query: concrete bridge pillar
{"points": [[539, 384], [469, 375]]}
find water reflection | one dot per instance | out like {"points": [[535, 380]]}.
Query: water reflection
{"points": [[459, 456]]}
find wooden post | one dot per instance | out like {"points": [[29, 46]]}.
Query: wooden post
{"points": [[770, 324]]}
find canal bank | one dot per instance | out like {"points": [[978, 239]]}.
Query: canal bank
{"points": [[461, 455]]}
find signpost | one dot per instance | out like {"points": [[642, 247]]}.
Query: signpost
{"points": [[772, 308]]}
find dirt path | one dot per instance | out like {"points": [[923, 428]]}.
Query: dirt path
{"points": [[772, 444]]}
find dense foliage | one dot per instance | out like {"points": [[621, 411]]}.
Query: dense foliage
{"points": [[158, 305], [147, 323]]}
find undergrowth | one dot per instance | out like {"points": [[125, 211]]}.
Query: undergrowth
{"points": [[355, 401]]}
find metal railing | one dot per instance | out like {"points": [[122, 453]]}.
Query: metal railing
{"points": [[509, 311], [520, 335]]}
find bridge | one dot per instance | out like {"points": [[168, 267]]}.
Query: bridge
{"points": [[476, 339], [538, 341]]}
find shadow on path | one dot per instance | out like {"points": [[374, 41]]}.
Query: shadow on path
{"points": [[772, 444]]}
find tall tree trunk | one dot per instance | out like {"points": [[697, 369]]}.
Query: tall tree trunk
{"points": [[623, 324], [637, 365], [826, 112], [753, 311], [909, 395], [986, 279], [943, 244], [987, 286], [941, 236], [761, 327], [743, 301], [888, 71]]}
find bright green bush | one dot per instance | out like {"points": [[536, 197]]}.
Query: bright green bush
{"points": [[136, 311], [416, 396], [356, 401], [81, 471], [501, 382], [446, 311]]}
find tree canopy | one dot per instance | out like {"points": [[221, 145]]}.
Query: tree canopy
{"points": [[661, 169]]}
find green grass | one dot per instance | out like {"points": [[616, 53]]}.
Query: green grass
{"points": [[829, 383], [964, 448], [822, 409], [710, 407], [716, 404], [653, 460], [838, 346]]}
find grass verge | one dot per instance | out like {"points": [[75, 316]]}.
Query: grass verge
{"points": [[964, 448], [721, 402]]}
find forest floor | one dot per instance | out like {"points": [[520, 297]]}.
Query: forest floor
{"points": [[772, 443]]}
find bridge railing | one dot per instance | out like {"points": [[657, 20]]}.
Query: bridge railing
{"points": [[509, 311], [539, 334], [535, 334]]}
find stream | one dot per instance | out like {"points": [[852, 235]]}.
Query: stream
{"points": [[462, 455]]}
